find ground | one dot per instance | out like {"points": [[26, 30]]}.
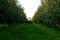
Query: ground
{"points": [[29, 32]]}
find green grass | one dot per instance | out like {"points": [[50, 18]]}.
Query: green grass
{"points": [[29, 32]]}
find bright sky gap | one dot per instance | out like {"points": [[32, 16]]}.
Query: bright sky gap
{"points": [[30, 6]]}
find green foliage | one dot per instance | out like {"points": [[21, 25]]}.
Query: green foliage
{"points": [[48, 13], [29, 32], [10, 12]]}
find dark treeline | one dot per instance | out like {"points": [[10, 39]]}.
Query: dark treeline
{"points": [[11, 13], [48, 13]]}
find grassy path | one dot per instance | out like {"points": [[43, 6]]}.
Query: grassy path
{"points": [[29, 32]]}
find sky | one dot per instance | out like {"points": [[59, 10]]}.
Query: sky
{"points": [[30, 6]]}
